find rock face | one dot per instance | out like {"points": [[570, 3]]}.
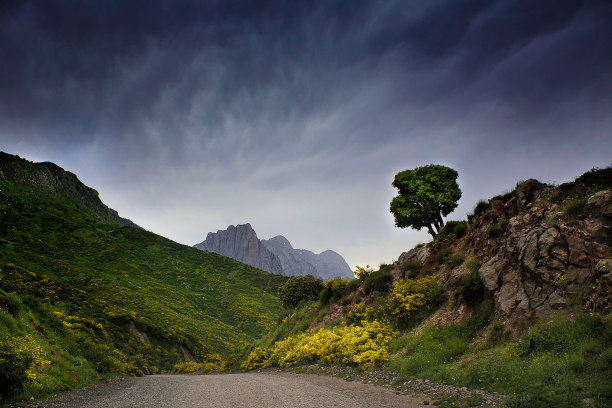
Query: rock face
{"points": [[554, 249], [326, 265], [240, 242], [275, 255], [291, 261]]}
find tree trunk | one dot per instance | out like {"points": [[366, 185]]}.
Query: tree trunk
{"points": [[432, 232]]}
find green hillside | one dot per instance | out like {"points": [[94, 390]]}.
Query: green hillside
{"points": [[86, 297]]}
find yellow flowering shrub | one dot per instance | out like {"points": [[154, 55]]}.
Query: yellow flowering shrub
{"points": [[21, 360], [259, 358], [364, 345], [210, 362], [409, 295], [336, 284]]}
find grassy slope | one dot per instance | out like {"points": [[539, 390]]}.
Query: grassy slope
{"points": [[80, 280]]}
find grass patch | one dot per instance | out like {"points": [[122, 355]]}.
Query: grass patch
{"points": [[571, 360]]}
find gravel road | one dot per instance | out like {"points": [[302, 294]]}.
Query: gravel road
{"points": [[271, 390]]}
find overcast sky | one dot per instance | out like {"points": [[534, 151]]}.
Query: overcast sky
{"points": [[294, 116]]}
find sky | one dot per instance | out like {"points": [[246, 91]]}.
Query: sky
{"points": [[294, 116]]}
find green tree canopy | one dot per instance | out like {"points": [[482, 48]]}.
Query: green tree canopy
{"points": [[299, 288], [426, 194]]}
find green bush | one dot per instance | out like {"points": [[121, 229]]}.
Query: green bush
{"points": [[497, 229], [471, 288], [444, 255], [21, 358], [601, 178], [574, 207], [379, 281], [300, 288], [452, 229], [481, 206], [410, 269], [13, 304]]}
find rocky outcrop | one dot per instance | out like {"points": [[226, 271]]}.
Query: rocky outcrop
{"points": [[542, 248], [52, 178], [240, 242]]}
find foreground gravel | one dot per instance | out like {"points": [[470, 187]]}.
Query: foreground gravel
{"points": [[261, 389]]}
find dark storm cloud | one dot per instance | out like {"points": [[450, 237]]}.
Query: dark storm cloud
{"points": [[294, 115], [142, 70]]}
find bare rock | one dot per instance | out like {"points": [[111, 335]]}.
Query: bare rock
{"points": [[600, 203]]}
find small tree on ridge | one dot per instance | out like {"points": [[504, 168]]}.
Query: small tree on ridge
{"points": [[426, 194]]}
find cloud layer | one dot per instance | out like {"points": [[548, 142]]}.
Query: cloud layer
{"points": [[295, 116]]}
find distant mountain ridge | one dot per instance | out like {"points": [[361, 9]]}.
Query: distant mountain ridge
{"points": [[275, 255]]}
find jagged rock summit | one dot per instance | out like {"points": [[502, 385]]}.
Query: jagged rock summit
{"points": [[240, 242], [275, 255]]}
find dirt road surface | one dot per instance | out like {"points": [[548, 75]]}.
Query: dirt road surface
{"points": [[270, 390]]}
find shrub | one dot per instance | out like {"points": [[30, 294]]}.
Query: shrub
{"points": [[471, 288], [410, 269], [410, 295], [455, 260], [353, 285], [444, 255], [378, 281], [452, 229], [495, 230], [481, 206], [259, 358], [20, 360], [362, 273], [13, 304], [300, 288], [333, 289], [574, 207], [364, 345], [597, 177]]}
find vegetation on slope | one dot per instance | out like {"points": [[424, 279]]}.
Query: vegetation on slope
{"points": [[450, 331], [82, 297]]}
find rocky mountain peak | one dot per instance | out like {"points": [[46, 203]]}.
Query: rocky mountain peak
{"points": [[275, 255], [240, 242]]}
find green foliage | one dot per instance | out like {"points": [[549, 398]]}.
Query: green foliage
{"points": [[452, 229], [446, 256], [300, 288], [570, 360], [471, 288], [497, 229], [596, 177], [574, 207], [426, 194], [13, 304], [481, 206], [333, 289], [21, 360], [379, 281], [410, 269], [80, 280], [362, 273]]}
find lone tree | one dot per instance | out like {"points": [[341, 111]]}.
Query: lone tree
{"points": [[426, 194]]}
